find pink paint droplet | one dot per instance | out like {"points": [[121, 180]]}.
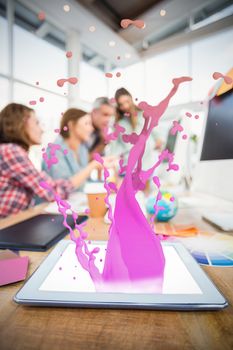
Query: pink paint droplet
{"points": [[65, 152], [101, 260], [196, 116], [87, 211], [69, 54], [57, 131], [176, 128], [72, 80], [137, 23], [189, 115], [32, 103], [65, 128], [118, 74], [41, 99], [217, 75], [41, 16], [184, 137], [172, 199], [108, 75], [97, 198]]}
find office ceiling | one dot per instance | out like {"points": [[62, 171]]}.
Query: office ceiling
{"points": [[184, 21], [112, 11]]}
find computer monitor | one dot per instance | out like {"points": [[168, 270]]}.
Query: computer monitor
{"points": [[214, 171]]}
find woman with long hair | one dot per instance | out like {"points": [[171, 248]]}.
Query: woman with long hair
{"points": [[19, 179], [130, 117]]}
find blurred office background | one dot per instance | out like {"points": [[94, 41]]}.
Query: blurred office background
{"points": [[181, 37]]}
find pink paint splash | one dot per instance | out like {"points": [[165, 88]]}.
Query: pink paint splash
{"points": [[113, 135], [227, 80], [41, 99], [49, 155], [41, 16], [72, 80], [118, 74], [125, 23], [188, 114], [176, 128], [69, 54], [108, 75], [134, 257], [32, 102]]}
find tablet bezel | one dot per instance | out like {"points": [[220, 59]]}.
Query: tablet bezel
{"points": [[211, 298]]}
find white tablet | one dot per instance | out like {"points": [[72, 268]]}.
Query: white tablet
{"points": [[61, 281]]}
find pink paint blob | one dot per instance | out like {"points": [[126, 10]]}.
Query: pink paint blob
{"points": [[108, 75], [227, 80], [184, 137], [172, 199], [189, 115], [118, 74], [32, 102], [65, 128], [125, 23], [41, 99], [57, 131], [65, 152], [196, 116], [49, 155], [176, 128], [72, 80], [134, 257], [69, 54], [41, 16]]}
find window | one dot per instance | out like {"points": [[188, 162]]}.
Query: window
{"points": [[92, 83], [4, 66], [160, 70], [36, 60], [212, 54], [4, 92]]}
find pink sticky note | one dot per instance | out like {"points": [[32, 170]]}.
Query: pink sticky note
{"points": [[13, 268]]}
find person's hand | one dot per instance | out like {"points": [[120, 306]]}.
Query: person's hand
{"points": [[109, 162]]}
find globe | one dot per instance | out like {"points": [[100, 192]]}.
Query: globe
{"points": [[168, 206]]}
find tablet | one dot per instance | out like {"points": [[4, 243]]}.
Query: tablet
{"points": [[61, 281], [38, 233]]}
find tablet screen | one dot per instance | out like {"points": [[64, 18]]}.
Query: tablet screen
{"points": [[68, 276]]}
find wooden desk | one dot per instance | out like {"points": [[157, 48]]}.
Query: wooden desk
{"points": [[59, 328]]}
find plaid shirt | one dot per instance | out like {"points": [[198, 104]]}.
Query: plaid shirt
{"points": [[20, 181]]}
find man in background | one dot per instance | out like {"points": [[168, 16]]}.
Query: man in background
{"points": [[101, 114]]}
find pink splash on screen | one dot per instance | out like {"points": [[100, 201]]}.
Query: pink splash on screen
{"points": [[41, 16], [41, 99], [49, 155], [118, 74], [134, 256], [108, 75], [32, 102], [188, 114], [217, 75], [176, 128], [125, 23], [69, 54], [72, 80]]}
